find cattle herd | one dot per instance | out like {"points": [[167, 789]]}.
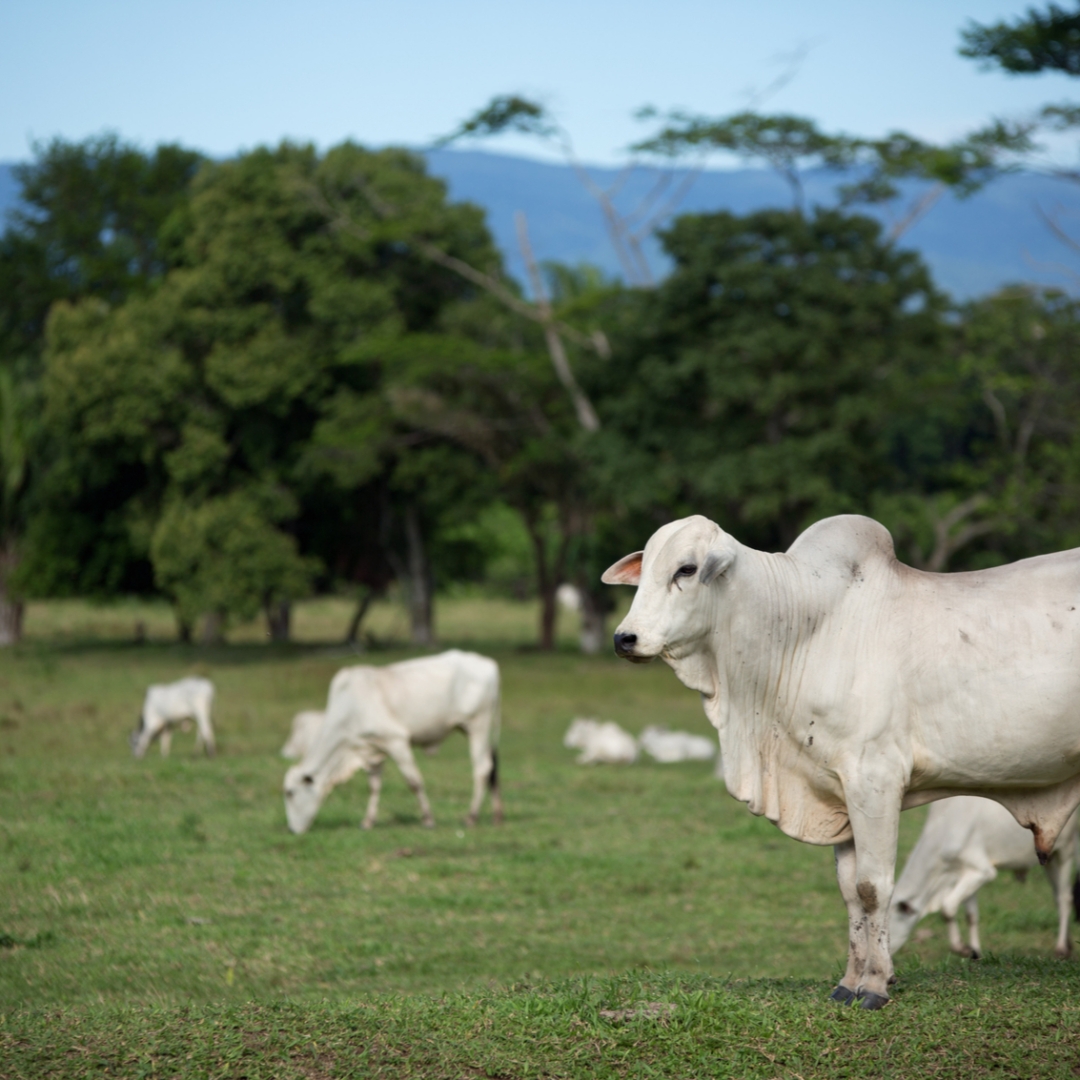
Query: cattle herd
{"points": [[845, 687]]}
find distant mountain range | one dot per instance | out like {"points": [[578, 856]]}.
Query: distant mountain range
{"points": [[996, 237]]}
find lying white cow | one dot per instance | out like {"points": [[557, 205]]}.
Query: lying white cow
{"points": [[846, 687], [963, 845], [305, 726], [670, 747], [600, 743], [374, 713], [169, 704]]}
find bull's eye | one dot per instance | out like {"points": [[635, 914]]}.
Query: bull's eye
{"points": [[687, 570], [309, 779], [905, 908]]}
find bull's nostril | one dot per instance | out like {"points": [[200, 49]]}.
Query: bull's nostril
{"points": [[624, 643]]}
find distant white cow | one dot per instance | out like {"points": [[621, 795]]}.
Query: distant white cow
{"points": [[669, 747], [600, 743], [568, 596], [305, 726], [378, 712], [964, 843], [167, 705]]}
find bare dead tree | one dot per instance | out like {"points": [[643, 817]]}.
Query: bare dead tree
{"points": [[539, 311]]}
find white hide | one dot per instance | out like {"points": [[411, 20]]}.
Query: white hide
{"points": [[600, 743], [167, 705], [846, 686], [305, 726], [670, 747], [963, 845], [373, 713]]}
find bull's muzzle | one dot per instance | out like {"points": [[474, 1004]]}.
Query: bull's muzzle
{"points": [[625, 645]]}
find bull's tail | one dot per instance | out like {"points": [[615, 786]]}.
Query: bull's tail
{"points": [[493, 785], [1076, 896]]}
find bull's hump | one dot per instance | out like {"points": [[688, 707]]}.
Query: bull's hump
{"points": [[848, 542]]}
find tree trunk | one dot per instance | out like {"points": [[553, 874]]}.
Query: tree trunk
{"points": [[213, 628], [548, 575], [593, 621], [183, 629], [352, 634], [11, 609], [278, 620], [420, 583]]}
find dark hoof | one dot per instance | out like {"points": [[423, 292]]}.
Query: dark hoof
{"points": [[870, 1000], [843, 995], [974, 954]]}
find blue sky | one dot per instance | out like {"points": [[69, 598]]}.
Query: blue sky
{"points": [[230, 74]]}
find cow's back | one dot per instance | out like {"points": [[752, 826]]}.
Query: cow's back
{"points": [[432, 694]]}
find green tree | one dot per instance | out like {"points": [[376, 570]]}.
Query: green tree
{"points": [[212, 386], [97, 219], [1039, 41], [1004, 480], [764, 380]]}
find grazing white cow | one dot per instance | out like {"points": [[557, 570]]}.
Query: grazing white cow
{"points": [[600, 743], [373, 713], [670, 747], [169, 704], [963, 845], [846, 687], [305, 726]]}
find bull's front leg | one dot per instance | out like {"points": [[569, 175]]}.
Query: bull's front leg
{"points": [[374, 778], [845, 990], [402, 754], [865, 867]]}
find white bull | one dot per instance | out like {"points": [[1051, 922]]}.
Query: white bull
{"points": [[963, 845], [373, 713], [600, 743], [670, 747], [169, 704], [846, 687], [305, 726]]}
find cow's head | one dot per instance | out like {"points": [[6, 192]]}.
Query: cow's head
{"points": [[677, 576], [903, 915], [308, 784], [303, 797]]}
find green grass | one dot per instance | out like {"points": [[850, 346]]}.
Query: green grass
{"points": [[158, 909]]}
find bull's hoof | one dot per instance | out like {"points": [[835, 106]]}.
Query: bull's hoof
{"points": [[428, 823], [368, 825], [470, 821], [869, 1000], [974, 954], [842, 995], [1063, 954]]}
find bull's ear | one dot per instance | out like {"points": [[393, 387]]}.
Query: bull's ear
{"points": [[715, 565], [627, 571]]}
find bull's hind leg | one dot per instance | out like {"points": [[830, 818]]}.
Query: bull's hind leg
{"points": [[485, 774], [402, 754], [1060, 872], [204, 729], [165, 740]]}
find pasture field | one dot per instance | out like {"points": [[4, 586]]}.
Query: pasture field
{"points": [[157, 918]]}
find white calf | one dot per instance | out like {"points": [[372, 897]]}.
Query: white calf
{"points": [[305, 726], [966, 840], [167, 705], [600, 743], [378, 712], [668, 747]]}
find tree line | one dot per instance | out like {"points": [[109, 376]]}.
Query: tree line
{"points": [[236, 383]]}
